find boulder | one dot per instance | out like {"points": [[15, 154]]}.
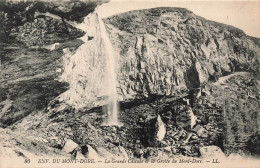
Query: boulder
{"points": [[155, 131], [160, 129], [167, 149], [186, 118], [70, 146], [194, 137], [201, 131], [89, 152], [193, 118], [211, 152]]}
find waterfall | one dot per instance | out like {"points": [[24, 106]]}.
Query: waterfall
{"points": [[112, 106]]}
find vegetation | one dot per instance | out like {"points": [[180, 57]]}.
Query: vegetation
{"points": [[241, 125]]}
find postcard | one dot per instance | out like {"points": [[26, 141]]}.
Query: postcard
{"points": [[129, 83]]}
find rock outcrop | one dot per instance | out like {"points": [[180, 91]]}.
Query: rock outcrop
{"points": [[160, 129], [163, 50]]}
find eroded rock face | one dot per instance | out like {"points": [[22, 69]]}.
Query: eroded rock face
{"points": [[175, 50], [85, 70], [163, 50]]}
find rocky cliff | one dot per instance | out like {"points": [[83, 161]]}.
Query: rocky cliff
{"points": [[160, 51], [164, 50]]}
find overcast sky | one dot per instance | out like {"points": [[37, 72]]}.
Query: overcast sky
{"points": [[242, 14]]}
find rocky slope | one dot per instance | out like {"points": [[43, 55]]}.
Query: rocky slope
{"points": [[33, 36], [173, 97]]}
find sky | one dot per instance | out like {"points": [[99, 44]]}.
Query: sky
{"points": [[241, 14]]}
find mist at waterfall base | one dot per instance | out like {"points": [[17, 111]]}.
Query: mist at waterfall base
{"points": [[112, 107]]}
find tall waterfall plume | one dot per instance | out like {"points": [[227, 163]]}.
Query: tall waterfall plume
{"points": [[112, 106]]}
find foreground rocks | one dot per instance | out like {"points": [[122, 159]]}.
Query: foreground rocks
{"points": [[211, 152], [160, 129], [70, 146]]}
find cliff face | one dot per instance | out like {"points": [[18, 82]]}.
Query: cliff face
{"points": [[34, 36], [161, 51], [85, 70], [168, 49]]}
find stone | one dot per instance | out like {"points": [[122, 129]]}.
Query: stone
{"points": [[141, 120], [137, 141], [193, 118], [70, 146], [174, 151], [167, 116], [89, 152], [205, 92], [168, 149], [155, 131], [173, 142], [164, 143], [211, 152], [187, 138], [171, 133], [186, 101], [198, 93], [160, 129], [186, 118], [91, 126], [201, 131], [194, 137], [138, 153]]}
